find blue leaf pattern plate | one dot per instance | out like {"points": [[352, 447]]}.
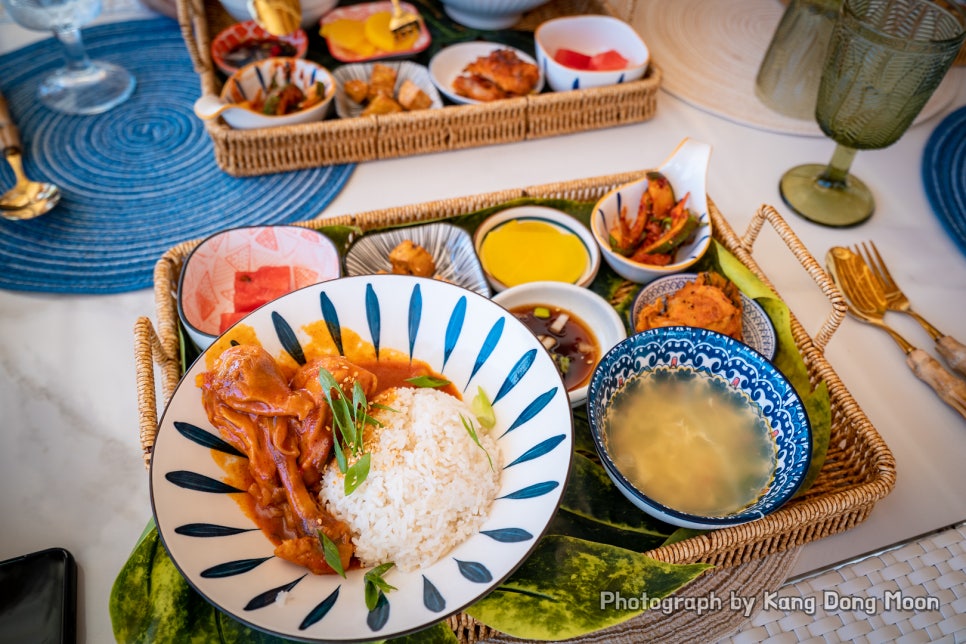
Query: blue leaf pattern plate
{"points": [[462, 335]]}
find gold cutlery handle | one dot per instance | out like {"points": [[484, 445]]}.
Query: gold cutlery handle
{"points": [[9, 134], [950, 388], [953, 352]]}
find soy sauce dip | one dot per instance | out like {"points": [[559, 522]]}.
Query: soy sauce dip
{"points": [[569, 340]]}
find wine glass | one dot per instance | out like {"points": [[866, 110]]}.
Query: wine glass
{"points": [[83, 86], [884, 61]]}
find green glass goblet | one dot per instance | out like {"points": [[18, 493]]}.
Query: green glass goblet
{"points": [[885, 59]]}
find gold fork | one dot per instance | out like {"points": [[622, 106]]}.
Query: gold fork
{"points": [[952, 351], [402, 23], [867, 303]]}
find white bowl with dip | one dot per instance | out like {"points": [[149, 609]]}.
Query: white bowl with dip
{"points": [[536, 244], [594, 317]]}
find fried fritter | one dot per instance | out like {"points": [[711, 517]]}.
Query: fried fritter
{"points": [[711, 301], [505, 69], [408, 258]]}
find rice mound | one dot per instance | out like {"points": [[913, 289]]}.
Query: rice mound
{"points": [[429, 485]]}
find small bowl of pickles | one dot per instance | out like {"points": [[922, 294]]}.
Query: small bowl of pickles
{"points": [[574, 324], [536, 244]]}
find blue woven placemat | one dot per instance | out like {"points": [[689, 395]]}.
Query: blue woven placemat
{"points": [[944, 174], [136, 180]]}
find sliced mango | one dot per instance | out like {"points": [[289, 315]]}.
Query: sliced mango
{"points": [[378, 33], [350, 35]]}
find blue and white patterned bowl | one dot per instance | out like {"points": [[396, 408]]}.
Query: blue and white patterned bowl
{"points": [[726, 359], [462, 335]]}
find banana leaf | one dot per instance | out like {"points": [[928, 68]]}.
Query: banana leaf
{"points": [[533, 604]]}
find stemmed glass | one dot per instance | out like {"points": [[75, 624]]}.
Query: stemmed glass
{"points": [[884, 61], [83, 86]]}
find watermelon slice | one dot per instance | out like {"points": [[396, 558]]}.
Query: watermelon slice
{"points": [[572, 59], [229, 318], [255, 288], [608, 60]]}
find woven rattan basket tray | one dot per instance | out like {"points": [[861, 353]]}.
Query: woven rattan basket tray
{"points": [[859, 469], [333, 141]]}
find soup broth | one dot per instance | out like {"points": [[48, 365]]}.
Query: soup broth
{"points": [[690, 441]]}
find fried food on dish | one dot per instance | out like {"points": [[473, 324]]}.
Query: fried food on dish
{"points": [[504, 68], [382, 104], [357, 90], [411, 97], [501, 74], [478, 88], [711, 301], [408, 258], [382, 81]]}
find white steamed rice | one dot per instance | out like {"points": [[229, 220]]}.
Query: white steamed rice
{"points": [[429, 485]]}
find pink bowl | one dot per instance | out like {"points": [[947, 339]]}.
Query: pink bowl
{"points": [[206, 287], [241, 32]]}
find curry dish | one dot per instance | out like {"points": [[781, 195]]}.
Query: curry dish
{"points": [[282, 423]]}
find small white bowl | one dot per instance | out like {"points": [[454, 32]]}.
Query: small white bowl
{"points": [[589, 35], [687, 170], [596, 313], [206, 284], [254, 77], [555, 218], [489, 14]]}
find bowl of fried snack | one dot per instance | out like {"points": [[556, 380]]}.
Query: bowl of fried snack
{"points": [[480, 72], [364, 89]]}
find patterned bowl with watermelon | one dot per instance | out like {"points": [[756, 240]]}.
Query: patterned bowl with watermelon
{"points": [[236, 271], [580, 52]]}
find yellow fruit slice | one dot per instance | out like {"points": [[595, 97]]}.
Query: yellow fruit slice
{"points": [[348, 34], [378, 33]]}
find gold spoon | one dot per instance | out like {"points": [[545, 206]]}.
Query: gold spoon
{"points": [[27, 199]]}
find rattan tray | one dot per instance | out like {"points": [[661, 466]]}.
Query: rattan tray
{"points": [[859, 469], [334, 141]]}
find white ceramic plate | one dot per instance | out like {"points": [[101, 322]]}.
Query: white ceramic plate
{"points": [[451, 248], [449, 63], [347, 108], [464, 336], [756, 327]]}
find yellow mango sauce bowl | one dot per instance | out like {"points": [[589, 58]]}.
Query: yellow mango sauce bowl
{"points": [[534, 244]]}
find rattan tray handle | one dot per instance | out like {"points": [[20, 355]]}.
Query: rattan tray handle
{"points": [[818, 274]]}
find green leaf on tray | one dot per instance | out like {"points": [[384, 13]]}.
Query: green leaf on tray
{"points": [[534, 604], [788, 359]]}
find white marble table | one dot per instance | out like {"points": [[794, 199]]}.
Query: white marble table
{"points": [[70, 463]]}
